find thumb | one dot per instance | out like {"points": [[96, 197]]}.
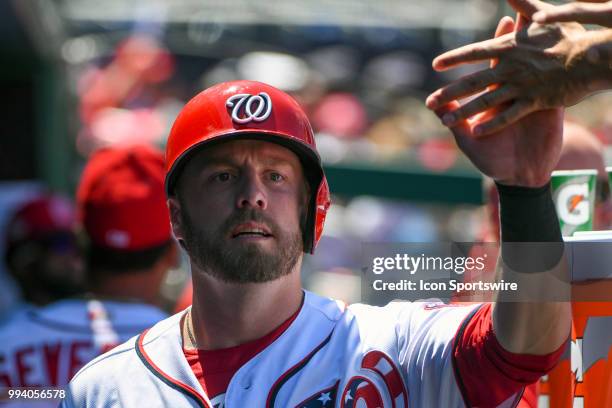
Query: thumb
{"points": [[505, 26], [528, 7]]}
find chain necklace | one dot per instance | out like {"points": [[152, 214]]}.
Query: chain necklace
{"points": [[189, 327]]}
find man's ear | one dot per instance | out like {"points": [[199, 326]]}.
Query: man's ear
{"points": [[174, 206]]}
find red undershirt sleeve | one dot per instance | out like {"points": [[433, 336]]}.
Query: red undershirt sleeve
{"points": [[487, 373]]}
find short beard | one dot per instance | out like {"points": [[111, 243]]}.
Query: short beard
{"points": [[247, 263]]}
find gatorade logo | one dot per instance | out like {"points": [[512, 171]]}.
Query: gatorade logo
{"points": [[573, 204]]}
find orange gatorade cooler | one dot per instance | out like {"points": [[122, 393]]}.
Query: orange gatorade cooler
{"points": [[583, 378]]}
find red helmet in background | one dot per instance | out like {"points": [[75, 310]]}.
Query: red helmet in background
{"points": [[250, 110], [40, 218], [41, 250]]}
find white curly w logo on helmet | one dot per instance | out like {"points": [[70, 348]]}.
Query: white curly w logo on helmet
{"points": [[246, 107]]}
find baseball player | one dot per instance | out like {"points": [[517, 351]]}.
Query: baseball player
{"points": [[247, 197], [41, 250], [122, 209]]}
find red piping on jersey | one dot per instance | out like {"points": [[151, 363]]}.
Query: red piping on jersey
{"points": [[333, 388], [292, 371], [190, 391]]}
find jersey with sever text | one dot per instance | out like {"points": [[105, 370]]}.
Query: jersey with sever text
{"points": [[401, 355], [45, 347]]}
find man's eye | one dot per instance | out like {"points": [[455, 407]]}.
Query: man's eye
{"points": [[222, 177], [276, 177]]}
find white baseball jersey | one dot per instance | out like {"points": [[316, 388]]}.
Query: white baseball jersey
{"points": [[45, 347], [399, 355]]}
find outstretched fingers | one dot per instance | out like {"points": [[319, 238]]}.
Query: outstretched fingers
{"points": [[462, 130], [471, 53], [482, 103], [514, 113], [466, 86]]}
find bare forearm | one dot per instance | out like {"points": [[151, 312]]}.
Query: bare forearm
{"points": [[532, 327]]}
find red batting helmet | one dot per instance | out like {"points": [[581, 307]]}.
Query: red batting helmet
{"points": [[41, 217], [250, 110], [44, 222]]}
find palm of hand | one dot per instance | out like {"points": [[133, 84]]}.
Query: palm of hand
{"points": [[522, 154]]}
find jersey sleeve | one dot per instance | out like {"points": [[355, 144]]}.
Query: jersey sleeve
{"points": [[452, 358], [426, 333], [486, 372]]}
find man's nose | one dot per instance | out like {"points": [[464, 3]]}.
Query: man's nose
{"points": [[252, 192]]}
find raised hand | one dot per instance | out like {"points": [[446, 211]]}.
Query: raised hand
{"points": [[523, 153], [539, 67], [532, 74]]}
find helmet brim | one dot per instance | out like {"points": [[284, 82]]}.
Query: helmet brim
{"points": [[309, 158]]}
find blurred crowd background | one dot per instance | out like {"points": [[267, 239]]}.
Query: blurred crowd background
{"points": [[78, 75]]}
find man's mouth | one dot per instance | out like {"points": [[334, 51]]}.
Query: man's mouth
{"points": [[251, 230]]}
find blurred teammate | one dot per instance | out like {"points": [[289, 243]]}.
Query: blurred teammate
{"points": [[123, 212], [41, 250], [248, 197], [538, 67], [122, 209]]}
